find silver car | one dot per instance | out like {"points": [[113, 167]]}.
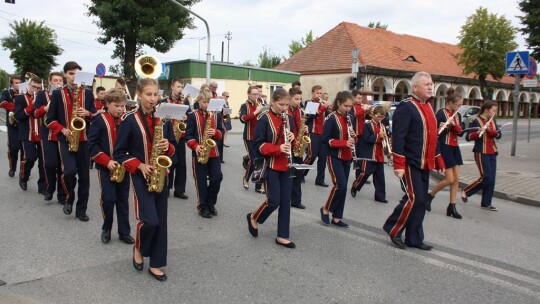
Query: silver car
{"points": [[468, 115]]}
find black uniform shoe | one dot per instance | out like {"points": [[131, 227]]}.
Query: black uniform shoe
{"points": [[138, 266], [67, 208], [205, 213], [252, 230], [429, 200], [159, 277], [298, 205], [22, 184], [47, 196], [245, 161], [353, 192], [367, 182], [383, 201], [398, 242], [290, 245], [422, 246], [105, 236], [323, 184], [127, 239], [11, 173], [180, 195], [62, 202], [83, 218], [212, 210]]}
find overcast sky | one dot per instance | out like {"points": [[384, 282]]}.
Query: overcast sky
{"points": [[254, 24]]}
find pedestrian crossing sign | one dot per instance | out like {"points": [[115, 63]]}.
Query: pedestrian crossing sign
{"points": [[517, 62]]}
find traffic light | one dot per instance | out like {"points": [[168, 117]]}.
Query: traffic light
{"points": [[353, 83]]}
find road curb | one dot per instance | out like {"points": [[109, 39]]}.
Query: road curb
{"points": [[498, 194]]}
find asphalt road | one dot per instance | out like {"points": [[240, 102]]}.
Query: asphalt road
{"points": [[487, 257]]}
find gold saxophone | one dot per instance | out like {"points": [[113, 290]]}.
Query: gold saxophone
{"points": [[76, 125], [117, 175], [159, 162], [207, 142], [179, 128], [301, 139], [12, 120]]}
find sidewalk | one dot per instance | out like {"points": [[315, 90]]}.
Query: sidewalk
{"points": [[518, 178]]}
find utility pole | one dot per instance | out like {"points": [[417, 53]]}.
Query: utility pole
{"points": [[228, 36]]}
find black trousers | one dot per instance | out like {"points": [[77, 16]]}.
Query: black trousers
{"points": [[32, 152], [14, 146], [177, 174], [53, 168], [76, 165]]}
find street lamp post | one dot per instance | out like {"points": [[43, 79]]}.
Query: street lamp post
{"points": [[208, 54]]}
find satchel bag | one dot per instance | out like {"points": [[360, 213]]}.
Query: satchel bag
{"points": [[260, 170]]}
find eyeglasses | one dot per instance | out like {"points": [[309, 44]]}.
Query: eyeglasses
{"points": [[227, 96]]}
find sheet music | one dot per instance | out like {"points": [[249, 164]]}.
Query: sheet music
{"points": [[23, 87], [54, 88], [174, 111], [311, 107], [216, 105], [190, 90], [84, 78], [227, 111]]}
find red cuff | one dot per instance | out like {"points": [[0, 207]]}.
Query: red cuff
{"points": [[268, 149], [9, 106], [472, 136], [102, 159], [192, 144], [493, 133], [132, 165], [337, 143], [457, 129], [171, 150], [40, 112], [28, 110], [399, 162], [56, 127], [248, 117], [217, 135], [439, 162]]}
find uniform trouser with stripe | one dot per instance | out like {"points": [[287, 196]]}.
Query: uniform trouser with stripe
{"points": [[296, 196], [339, 173], [207, 191], [151, 214], [368, 168], [220, 147], [278, 187], [177, 174], [487, 165], [14, 146], [32, 152], [76, 165], [53, 168], [316, 152], [114, 194], [252, 151], [409, 214], [358, 170]]}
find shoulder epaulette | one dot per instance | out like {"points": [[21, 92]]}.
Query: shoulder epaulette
{"points": [[125, 116], [262, 114]]}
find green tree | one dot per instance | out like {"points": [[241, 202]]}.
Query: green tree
{"points": [[531, 22], [484, 39], [33, 47], [4, 80], [131, 24], [248, 63], [378, 25], [297, 45], [267, 59]]}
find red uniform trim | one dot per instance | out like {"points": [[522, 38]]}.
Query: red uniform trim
{"points": [[407, 207]]}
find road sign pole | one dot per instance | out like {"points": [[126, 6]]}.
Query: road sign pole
{"points": [[516, 112], [530, 112]]}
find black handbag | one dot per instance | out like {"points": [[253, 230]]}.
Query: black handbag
{"points": [[260, 169]]}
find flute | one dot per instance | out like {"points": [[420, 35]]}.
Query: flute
{"points": [[287, 142], [483, 130], [441, 129]]}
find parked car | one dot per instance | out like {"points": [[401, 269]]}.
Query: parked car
{"points": [[468, 115]]}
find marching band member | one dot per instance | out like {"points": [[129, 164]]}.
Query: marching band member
{"points": [[248, 116], [134, 150], [315, 148], [29, 135], [101, 141], [485, 154], [178, 170], [450, 121], [338, 140], [358, 111], [49, 142], [59, 117], [370, 150], [298, 115], [201, 126], [416, 153], [7, 102], [270, 142], [99, 100], [227, 124]]}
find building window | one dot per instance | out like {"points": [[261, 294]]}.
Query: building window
{"points": [[274, 87]]}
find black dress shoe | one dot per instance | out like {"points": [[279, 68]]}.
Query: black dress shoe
{"points": [[22, 184], [47, 196], [367, 182], [11, 173], [212, 210], [138, 266], [298, 205], [159, 277], [180, 195], [261, 191], [83, 218], [67, 208], [252, 230], [222, 161], [323, 184], [398, 242], [226, 146], [353, 192], [429, 200], [383, 201], [127, 239], [205, 213], [62, 202], [105, 236], [421, 246], [290, 245]]}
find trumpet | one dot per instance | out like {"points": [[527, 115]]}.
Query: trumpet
{"points": [[387, 148]]}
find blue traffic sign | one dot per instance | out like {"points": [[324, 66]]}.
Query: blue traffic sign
{"points": [[533, 68], [100, 70], [517, 62]]}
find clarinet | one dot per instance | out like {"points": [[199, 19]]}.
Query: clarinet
{"points": [[287, 142], [353, 148]]}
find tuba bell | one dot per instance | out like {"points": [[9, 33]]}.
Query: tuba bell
{"points": [[148, 66]]}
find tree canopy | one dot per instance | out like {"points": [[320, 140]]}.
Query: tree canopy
{"points": [[267, 59], [531, 25], [131, 24], [485, 39], [297, 45], [33, 47], [378, 25]]}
